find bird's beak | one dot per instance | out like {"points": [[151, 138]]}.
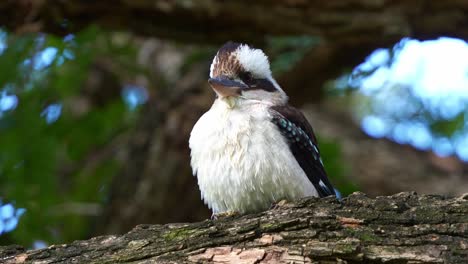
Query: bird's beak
{"points": [[225, 87]]}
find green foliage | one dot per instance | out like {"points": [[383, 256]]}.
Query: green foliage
{"points": [[336, 166], [197, 55], [42, 164], [288, 50], [447, 128]]}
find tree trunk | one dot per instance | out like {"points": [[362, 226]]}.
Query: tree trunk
{"points": [[156, 184], [403, 228]]}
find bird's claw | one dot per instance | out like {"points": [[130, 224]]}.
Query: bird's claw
{"points": [[226, 214], [278, 205]]}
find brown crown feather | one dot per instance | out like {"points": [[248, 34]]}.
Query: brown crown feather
{"points": [[226, 62]]}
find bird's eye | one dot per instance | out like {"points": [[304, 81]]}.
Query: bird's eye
{"points": [[246, 77]]}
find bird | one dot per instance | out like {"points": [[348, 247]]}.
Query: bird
{"points": [[251, 149]]}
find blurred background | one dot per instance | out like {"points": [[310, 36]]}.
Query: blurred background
{"points": [[97, 100]]}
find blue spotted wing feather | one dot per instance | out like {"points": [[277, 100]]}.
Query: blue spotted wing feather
{"points": [[303, 145]]}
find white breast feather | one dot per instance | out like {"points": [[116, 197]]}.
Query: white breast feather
{"points": [[242, 162]]}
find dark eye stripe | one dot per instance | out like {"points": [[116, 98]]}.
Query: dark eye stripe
{"points": [[256, 84], [261, 84]]}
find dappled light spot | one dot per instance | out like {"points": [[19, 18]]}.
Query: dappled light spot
{"points": [[39, 244], [3, 41], [134, 95], [414, 133], [8, 102], [52, 113], [45, 58], [69, 38], [442, 146], [461, 145], [374, 126], [68, 54], [9, 217]]}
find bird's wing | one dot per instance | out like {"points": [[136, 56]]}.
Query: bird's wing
{"points": [[303, 145]]}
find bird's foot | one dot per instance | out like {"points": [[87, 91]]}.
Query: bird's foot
{"points": [[226, 214], [278, 205]]}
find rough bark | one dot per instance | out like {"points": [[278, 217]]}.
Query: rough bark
{"points": [[403, 228], [351, 21]]}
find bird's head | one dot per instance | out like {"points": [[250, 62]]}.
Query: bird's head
{"points": [[240, 73]]}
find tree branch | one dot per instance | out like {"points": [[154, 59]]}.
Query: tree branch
{"points": [[353, 21], [403, 228]]}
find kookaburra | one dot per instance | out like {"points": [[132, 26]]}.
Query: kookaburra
{"points": [[252, 149]]}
